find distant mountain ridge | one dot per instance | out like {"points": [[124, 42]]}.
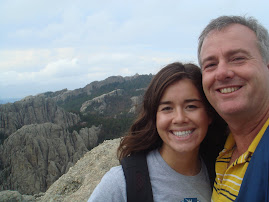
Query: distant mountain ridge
{"points": [[42, 136], [8, 100]]}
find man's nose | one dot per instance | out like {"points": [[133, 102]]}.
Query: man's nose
{"points": [[224, 71]]}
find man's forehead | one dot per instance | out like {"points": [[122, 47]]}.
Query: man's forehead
{"points": [[233, 32]]}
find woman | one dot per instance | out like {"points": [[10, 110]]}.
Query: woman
{"points": [[172, 130]]}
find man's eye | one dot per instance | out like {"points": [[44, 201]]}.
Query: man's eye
{"points": [[210, 65], [238, 59]]}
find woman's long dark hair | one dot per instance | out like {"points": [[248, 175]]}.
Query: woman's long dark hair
{"points": [[143, 135]]}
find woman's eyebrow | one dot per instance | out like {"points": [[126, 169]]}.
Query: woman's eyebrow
{"points": [[185, 101], [193, 100], [165, 102]]}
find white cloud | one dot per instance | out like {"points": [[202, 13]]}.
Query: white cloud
{"points": [[51, 45], [61, 68], [31, 59], [22, 60]]}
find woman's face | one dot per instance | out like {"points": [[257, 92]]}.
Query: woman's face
{"points": [[181, 119]]}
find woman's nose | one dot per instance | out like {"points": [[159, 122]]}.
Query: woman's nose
{"points": [[179, 116]]}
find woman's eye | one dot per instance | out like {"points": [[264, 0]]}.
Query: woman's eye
{"points": [[166, 108], [191, 107]]}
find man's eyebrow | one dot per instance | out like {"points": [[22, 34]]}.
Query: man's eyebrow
{"points": [[232, 52], [228, 53], [209, 58]]}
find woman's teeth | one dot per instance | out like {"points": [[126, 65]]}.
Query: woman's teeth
{"points": [[182, 133]]}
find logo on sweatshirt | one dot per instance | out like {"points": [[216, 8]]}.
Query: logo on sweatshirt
{"points": [[190, 200]]}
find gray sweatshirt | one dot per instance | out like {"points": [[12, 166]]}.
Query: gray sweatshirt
{"points": [[167, 184]]}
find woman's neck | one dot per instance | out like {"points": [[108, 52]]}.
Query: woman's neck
{"points": [[187, 163]]}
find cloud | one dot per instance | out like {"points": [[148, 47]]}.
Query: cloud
{"points": [[61, 68], [54, 70], [73, 68], [51, 45], [31, 59]]}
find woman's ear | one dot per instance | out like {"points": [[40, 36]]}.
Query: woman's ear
{"points": [[210, 120], [210, 117]]}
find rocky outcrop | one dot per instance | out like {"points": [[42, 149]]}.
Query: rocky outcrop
{"points": [[81, 179], [36, 155], [89, 136], [100, 101], [136, 101], [38, 144], [10, 196], [31, 110]]}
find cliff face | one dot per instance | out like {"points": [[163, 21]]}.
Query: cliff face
{"points": [[32, 110], [40, 139], [38, 148], [36, 155], [100, 101], [79, 182]]}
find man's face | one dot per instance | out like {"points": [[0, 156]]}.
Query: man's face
{"points": [[235, 78]]}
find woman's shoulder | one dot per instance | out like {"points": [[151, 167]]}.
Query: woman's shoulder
{"points": [[114, 174], [112, 186]]}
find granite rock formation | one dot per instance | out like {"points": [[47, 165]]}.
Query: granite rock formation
{"points": [[43, 136], [31, 110], [15, 196], [81, 179], [36, 155], [100, 101]]}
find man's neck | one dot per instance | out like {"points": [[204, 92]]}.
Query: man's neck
{"points": [[245, 130]]}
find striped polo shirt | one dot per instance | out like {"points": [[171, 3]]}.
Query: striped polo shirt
{"points": [[228, 179]]}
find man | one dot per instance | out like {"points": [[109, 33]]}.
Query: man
{"points": [[233, 53]]}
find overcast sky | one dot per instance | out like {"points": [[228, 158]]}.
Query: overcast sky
{"points": [[49, 45]]}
